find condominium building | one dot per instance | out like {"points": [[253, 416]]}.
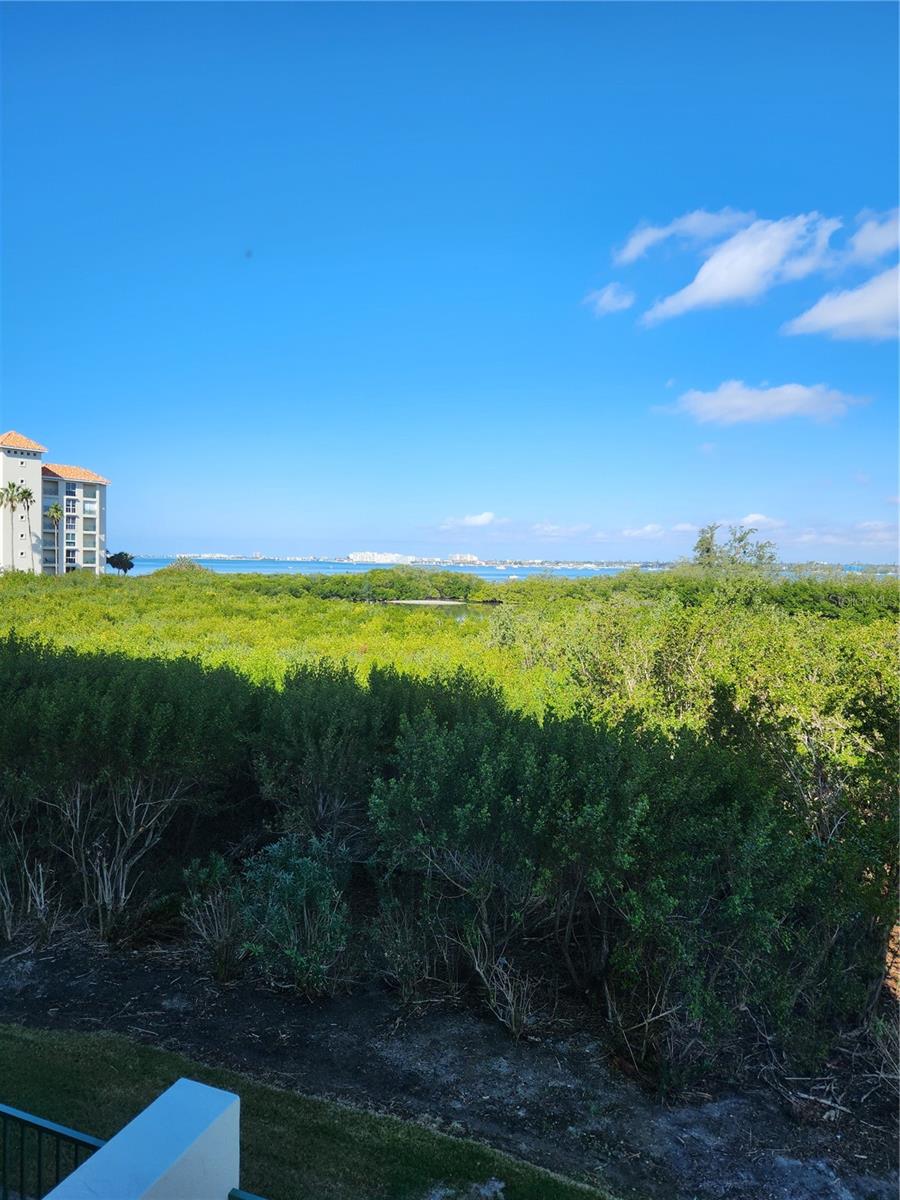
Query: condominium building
{"points": [[30, 538]]}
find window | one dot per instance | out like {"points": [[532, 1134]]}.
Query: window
{"points": [[70, 522], [89, 525], [70, 505], [89, 491], [70, 539], [51, 487], [90, 558], [89, 542], [70, 556], [90, 506], [70, 489]]}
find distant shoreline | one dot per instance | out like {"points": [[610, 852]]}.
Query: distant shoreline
{"points": [[493, 571], [439, 563]]}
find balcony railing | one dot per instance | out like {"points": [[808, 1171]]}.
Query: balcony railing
{"points": [[186, 1143], [36, 1155]]}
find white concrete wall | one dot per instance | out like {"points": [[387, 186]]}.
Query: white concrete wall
{"points": [[18, 550], [184, 1146]]}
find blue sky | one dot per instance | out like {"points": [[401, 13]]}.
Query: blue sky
{"points": [[540, 280]]}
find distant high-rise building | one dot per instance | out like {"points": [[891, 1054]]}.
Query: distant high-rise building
{"points": [[29, 539]]}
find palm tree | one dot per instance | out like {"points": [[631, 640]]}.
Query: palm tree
{"points": [[11, 498], [54, 515]]}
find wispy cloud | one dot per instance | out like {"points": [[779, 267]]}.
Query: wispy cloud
{"points": [[748, 264], [546, 529], [474, 521], [867, 312], [644, 531], [610, 299], [685, 527], [759, 521], [822, 537], [861, 533], [876, 533], [735, 402], [698, 227], [745, 256], [877, 237]]}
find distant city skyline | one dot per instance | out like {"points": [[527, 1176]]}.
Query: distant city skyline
{"points": [[559, 282]]}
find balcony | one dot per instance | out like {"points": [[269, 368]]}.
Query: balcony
{"points": [[185, 1144], [37, 1154]]}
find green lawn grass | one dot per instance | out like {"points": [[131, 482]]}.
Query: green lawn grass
{"points": [[293, 1148]]}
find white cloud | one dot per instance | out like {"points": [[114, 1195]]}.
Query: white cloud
{"points": [[746, 265], [546, 529], [823, 537], [645, 531], [610, 299], [685, 527], [815, 253], [869, 311], [734, 402], [876, 533], [699, 226], [476, 520], [760, 521], [878, 235], [862, 533]]}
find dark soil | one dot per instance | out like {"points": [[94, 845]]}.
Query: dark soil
{"points": [[556, 1100]]}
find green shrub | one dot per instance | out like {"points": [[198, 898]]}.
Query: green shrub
{"points": [[682, 880], [213, 913], [295, 915]]}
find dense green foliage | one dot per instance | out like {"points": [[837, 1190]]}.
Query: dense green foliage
{"points": [[667, 796]]}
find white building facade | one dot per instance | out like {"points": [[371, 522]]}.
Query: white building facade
{"points": [[30, 539]]}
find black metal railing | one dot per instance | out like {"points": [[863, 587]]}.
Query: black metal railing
{"points": [[36, 1155]]}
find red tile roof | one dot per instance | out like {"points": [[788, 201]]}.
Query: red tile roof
{"points": [[18, 441], [75, 474]]}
